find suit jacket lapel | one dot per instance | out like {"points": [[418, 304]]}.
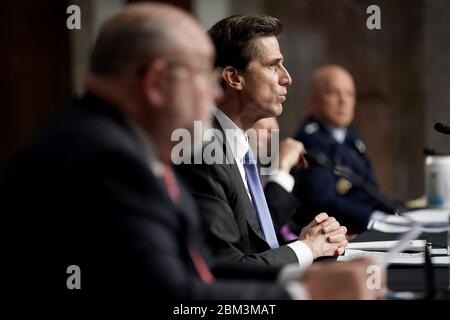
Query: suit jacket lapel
{"points": [[235, 175]]}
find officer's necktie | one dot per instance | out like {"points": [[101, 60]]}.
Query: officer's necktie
{"points": [[198, 261], [259, 200]]}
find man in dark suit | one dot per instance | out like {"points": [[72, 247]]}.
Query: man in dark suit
{"points": [[230, 194], [328, 135], [93, 207], [278, 181]]}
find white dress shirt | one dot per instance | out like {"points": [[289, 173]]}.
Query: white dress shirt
{"points": [[282, 178], [338, 134]]}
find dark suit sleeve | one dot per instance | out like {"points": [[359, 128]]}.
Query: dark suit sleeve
{"points": [[113, 220], [282, 205], [214, 191], [150, 236]]}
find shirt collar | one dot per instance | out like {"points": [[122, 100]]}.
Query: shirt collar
{"points": [[338, 134], [149, 151], [235, 136]]}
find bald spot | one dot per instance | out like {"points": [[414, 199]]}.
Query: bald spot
{"points": [[323, 76], [171, 31]]}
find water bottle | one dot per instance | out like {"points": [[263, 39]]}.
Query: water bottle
{"points": [[437, 181]]}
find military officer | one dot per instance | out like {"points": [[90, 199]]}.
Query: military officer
{"points": [[339, 179]]}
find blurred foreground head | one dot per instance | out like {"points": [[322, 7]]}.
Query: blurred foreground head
{"points": [[332, 99], [155, 63]]}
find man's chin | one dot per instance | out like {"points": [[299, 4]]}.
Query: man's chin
{"points": [[343, 124], [277, 110], [272, 112]]}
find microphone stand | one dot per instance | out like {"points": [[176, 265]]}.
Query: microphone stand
{"points": [[345, 172], [429, 274]]}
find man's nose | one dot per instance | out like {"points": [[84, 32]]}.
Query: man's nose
{"points": [[343, 98], [285, 79]]}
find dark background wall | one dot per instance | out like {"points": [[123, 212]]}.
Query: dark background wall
{"points": [[402, 71], [34, 68], [387, 67]]}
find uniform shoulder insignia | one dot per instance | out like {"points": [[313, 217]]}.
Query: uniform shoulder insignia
{"points": [[312, 127], [343, 186], [360, 146]]}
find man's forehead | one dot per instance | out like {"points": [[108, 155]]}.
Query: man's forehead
{"points": [[330, 75], [267, 49], [340, 80]]}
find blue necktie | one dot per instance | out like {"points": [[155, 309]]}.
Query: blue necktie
{"points": [[259, 200]]}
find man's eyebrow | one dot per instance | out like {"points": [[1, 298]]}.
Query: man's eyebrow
{"points": [[275, 60]]}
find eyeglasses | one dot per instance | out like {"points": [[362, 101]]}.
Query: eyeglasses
{"points": [[211, 75]]}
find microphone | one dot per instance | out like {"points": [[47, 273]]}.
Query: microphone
{"points": [[432, 152], [442, 128], [429, 273], [319, 158], [429, 152]]}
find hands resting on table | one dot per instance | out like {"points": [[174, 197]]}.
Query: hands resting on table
{"points": [[324, 236], [336, 280]]}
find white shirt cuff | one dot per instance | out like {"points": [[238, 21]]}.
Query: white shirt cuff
{"points": [[283, 178], [304, 255], [297, 291]]}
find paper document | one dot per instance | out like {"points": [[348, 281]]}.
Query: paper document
{"points": [[414, 245], [395, 258], [395, 249], [439, 251], [395, 252], [401, 244]]}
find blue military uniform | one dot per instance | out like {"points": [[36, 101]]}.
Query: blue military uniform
{"points": [[323, 187]]}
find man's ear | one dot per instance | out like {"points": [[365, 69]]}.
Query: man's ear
{"points": [[232, 77], [153, 83]]}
